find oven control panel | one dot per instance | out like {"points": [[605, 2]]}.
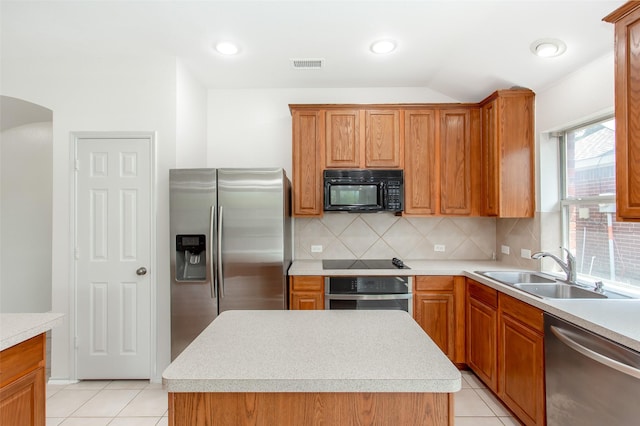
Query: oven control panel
{"points": [[367, 285]]}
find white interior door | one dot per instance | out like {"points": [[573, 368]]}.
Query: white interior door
{"points": [[113, 251]]}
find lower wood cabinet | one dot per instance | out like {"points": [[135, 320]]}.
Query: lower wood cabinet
{"points": [[482, 332], [521, 355], [438, 306], [22, 383], [505, 348], [306, 293]]}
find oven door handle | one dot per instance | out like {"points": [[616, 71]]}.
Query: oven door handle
{"points": [[401, 296]]}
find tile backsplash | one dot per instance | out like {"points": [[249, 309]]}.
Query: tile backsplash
{"points": [[384, 235], [518, 234]]}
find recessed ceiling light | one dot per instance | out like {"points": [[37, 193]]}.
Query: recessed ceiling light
{"points": [[227, 48], [548, 47], [383, 46]]}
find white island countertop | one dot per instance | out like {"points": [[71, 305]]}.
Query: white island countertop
{"points": [[615, 319], [16, 328], [312, 351]]}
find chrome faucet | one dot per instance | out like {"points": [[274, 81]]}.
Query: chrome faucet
{"points": [[569, 267]]}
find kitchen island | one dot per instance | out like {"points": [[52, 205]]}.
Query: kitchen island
{"points": [[312, 367], [22, 364]]}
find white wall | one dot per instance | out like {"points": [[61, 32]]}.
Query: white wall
{"points": [[245, 128], [26, 197], [252, 128], [99, 95], [191, 120], [586, 94], [583, 95]]}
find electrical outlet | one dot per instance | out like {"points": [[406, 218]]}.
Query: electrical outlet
{"points": [[439, 247], [316, 249], [505, 249], [525, 253]]}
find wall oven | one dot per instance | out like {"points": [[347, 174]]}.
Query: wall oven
{"points": [[369, 292]]}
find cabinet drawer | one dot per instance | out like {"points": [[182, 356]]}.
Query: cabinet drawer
{"points": [[21, 359], [481, 292], [300, 283], [434, 282], [522, 312]]}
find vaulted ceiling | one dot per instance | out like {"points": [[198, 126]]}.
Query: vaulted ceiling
{"points": [[463, 49]]}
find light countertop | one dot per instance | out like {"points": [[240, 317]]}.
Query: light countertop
{"points": [[418, 267], [615, 319], [312, 351], [16, 328]]}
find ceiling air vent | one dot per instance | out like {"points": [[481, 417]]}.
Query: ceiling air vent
{"points": [[307, 64]]}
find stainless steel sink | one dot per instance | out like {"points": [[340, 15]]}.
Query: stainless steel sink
{"points": [[547, 286], [559, 291], [518, 277]]}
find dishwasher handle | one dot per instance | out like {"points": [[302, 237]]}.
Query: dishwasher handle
{"points": [[609, 362]]}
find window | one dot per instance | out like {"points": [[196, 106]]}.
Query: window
{"points": [[604, 248]]}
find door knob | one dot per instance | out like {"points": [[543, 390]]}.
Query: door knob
{"points": [[141, 271]]}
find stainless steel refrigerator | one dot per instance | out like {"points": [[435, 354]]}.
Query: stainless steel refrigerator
{"points": [[230, 245]]}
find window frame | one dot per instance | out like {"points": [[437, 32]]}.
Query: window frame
{"points": [[566, 201]]}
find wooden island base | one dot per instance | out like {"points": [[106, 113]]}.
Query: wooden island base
{"points": [[301, 409]]}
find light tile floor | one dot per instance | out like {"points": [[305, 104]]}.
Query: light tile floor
{"points": [[475, 405], [139, 403], [107, 402]]}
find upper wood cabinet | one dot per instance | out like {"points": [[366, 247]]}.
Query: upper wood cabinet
{"points": [[627, 109], [453, 155], [421, 163], [308, 152], [363, 138], [441, 157], [458, 143], [342, 139], [507, 159], [383, 147]]}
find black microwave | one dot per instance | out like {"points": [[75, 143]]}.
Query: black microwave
{"points": [[363, 190]]}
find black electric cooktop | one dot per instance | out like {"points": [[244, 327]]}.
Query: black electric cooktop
{"points": [[394, 263]]}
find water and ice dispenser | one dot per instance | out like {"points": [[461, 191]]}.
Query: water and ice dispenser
{"points": [[191, 257]]}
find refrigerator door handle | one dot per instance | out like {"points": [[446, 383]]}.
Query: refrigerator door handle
{"points": [[212, 221], [220, 272]]}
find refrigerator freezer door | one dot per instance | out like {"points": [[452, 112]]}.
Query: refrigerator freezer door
{"points": [[192, 214], [252, 238]]}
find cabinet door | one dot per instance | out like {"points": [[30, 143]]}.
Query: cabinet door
{"points": [[522, 370], [516, 183], [307, 163], [306, 293], [507, 179], [342, 136], [490, 173], [521, 355], [627, 109], [22, 403], [455, 161], [482, 333], [301, 300], [434, 312], [382, 139], [421, 172]]}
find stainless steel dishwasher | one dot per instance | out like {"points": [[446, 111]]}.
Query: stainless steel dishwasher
{"points": [[590, 380]]}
